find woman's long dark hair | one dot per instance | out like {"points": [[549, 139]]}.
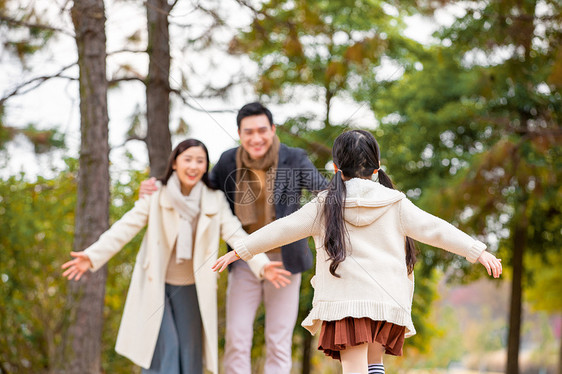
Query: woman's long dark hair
{"points": [[180, 148], [356, 154]]}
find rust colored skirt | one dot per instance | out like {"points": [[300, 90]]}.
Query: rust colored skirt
{"points": [[335, 336]]}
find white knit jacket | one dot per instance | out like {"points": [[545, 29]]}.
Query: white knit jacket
{"points": [[374, 280]]}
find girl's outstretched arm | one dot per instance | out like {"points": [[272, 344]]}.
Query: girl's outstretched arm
{"points": [[429, 229], [273, 271], [301, 224], [231, 231]]}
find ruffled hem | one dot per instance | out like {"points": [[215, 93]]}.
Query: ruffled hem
{"points": [[336, 336], [337, 310]]}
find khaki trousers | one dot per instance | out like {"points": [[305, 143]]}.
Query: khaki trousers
{"points": [[244, 294]]}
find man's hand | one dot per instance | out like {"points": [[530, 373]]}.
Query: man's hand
{"points": [[147, 187], [276, 274], [491, 263]]}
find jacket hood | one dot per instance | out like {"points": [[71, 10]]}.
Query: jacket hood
{"points": [[367, 200]]}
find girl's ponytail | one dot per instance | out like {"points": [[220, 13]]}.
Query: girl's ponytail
{"points": [[335, 238], [410, 244], [385, 179]]}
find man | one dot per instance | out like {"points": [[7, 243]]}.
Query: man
{"points": [[263, 180]]}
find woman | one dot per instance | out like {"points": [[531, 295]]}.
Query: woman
{"points": [[170, 318]]}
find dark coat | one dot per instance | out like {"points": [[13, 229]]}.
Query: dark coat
{"points": [[294, 172]]}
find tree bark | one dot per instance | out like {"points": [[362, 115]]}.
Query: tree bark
{"points": [[92, 209], [519, 244], [328, 104], [158, 138], [306, 353]]}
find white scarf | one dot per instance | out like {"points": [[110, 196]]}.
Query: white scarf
{"points": [[188, 209]]}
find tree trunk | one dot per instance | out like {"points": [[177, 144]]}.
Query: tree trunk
{"points": [[158, 138], [92, 209], [306, 353], [519, 244], [328, 104]]}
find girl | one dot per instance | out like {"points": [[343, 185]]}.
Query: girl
{"points": [[364, 279], [170, 318]]}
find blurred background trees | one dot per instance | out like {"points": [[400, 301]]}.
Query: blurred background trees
{"points": [[468, 122], [501, 90]]}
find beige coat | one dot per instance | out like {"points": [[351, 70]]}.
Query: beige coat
{"points": [[144, 307]]}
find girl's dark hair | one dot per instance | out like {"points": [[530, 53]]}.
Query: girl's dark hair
{"points": [[356, 154], [180, 148]]}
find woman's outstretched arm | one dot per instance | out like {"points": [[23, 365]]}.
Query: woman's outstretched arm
{"points": [[110, 242]]}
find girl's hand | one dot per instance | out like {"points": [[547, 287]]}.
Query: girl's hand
{"points": [[491, 263], [276, 274], [224, 261], [76, 267]]}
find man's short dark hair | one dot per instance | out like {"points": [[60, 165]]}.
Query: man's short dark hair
{"points": [[253, 109]]}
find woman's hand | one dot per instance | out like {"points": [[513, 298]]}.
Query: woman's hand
{"points": [[76, 267], [276, 274], [224, 261], [147, 187], [491, 263]]}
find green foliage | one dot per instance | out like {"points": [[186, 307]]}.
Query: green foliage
{"points": [[425, 294], [6, 134], [480, 139], [447, 344], [548, 351], [296, 132], [326, 45], [43, 141], [486, 334], [22, 31], [473, 134], [120, 268], [36, 235], [546, 287], [23, 36]]}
